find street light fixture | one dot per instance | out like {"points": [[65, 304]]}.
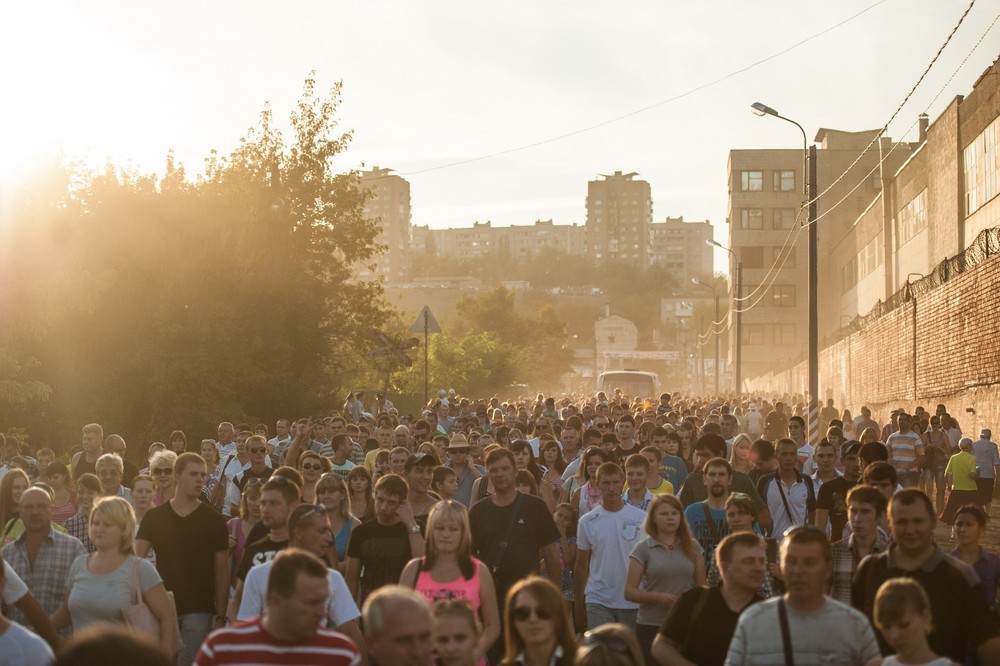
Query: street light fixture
{"points": [[737, 295], [698, 282], [809, 189]]}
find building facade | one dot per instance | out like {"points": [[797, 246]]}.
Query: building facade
{"points": [[390, 204], [619, 217], [682, 248]]}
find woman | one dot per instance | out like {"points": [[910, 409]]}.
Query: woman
{"points": [[961, 471], [240, 526], [359, 481], [448, 570], [537, 629], [848, 421], [88, 489], [566, 518], [552, 459], [161, 468], [741, 516], [101, 583], [868, 435], [143, 489], [610, 645], [312, 466], [457, 631], [588, 495], [63, 497], [739, 457], [431, 450], [211, 455], [177, 442], [14, 483], [526, 483], [332, 494], [643, 434], [937, 450], [524, 458], [970, 524], [661, 567]]}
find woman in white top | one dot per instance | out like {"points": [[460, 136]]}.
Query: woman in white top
{"points": [[100, 583]]}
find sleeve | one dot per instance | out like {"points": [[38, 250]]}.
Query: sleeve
{"points": [[811, 495], [743, 484], [867, 644], [824, 498], [341, 607], [15, 589], [582, 539], [640, 552], [147, 528], [682, 473], [74, 571], [950, 468], [232, 493], [252, 603], [996, 455], [219, 533], [687, 495], [149, 577], [861, 583], [354, 542]]}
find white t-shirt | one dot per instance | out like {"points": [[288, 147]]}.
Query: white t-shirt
{"points": [[15, 587], [340, 608], [610, 536], [20, 647], [805, 453], [755, 423]]}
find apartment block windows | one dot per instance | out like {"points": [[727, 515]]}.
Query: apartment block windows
{"points": [[784, 334], [751, 218], [752, 256], [783, 295], [784, 181], [784, 218], [753, 334], [982, 168], [751, 181], [912, 218]]}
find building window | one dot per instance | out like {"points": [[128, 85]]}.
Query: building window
{"points": [[849, 276], [751, 181], [982, 168], [784, 181], [912, 218], [784, 334], [784, 218], [783, 295], [751, 218], [752, 257], [753, 334]]}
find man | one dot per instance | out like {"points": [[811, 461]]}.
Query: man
{"points": [[960, 616], [804, 626], [110, 470], [866, 507], [289, 630], [591, 437], [708, 517], [384, 436], [789, 494], [418, 471], [637, 493], [797, 433], [730, 428], [543, 426], [256, 447], [755, 422], [192, 554], [825, 457], [341, 449], [227, 446], [988, 466], [700, 625], [605, 538], [308, 530], [41, 557], [116, 444], [906, 451], [398, 627], [866, 422], [695, 490], [671, 468], [278, 498], [764, 462], [664, 406], [17, 644], [569, 440], [466, 471], [281, 437], [511, 531], [625, 430], [827, 414], [86, 460], [831, 500], [379, 549], [401, 437], [892, 426]]}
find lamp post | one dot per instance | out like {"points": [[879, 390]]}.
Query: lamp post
{"points": [[716, 295], [809, 189], [737, 295]]}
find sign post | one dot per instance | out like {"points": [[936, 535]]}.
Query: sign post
{"points": [[428, 324]]}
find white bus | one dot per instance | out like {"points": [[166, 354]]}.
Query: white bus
{"points": [[633, 383]]}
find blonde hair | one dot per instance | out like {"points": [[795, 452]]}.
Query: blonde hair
{"points": [[94, 428], [334, 481], [451, 510], [163, 458], [684, 537], [119, 513]]}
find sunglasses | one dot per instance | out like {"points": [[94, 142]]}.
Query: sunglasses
{"points": [[164, 471], [316, 467], [456, 451], [258, 449], [602, 425], [524, 613]]}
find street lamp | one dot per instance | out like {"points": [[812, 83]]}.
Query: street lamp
{"points": [[698, 282], [809, 189], [737, 295]]}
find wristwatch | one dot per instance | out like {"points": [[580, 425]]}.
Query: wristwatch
{"points": [[414, 530]]}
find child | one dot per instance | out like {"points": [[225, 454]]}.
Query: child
{"points": [[444, 482], [456, 632], [566, 517], [903, 615], [636, 473]]}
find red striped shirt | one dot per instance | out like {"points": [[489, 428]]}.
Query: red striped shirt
{"points": [[248, 643]]}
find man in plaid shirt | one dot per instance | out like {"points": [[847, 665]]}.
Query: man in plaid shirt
{"points": [[865, 507]]}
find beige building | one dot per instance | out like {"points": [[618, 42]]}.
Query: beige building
{"points": [[619, 216], [615, 333], [765, 200], [681, 248], [390, 204], [482, 238]]}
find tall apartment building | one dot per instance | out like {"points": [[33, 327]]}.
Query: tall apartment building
{"points": [[619, 215], [390, 203], [681, 248], [765, 201], [482, 238]]}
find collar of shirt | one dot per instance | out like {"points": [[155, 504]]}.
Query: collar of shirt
{"points": [[928, 565], [557, 654]]}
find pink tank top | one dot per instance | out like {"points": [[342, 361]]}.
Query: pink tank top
{"points": [[456, 589]]}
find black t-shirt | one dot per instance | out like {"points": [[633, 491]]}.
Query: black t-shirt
{"points": [[532, 529], [383, 551], [257, 532], [82, 466], [707, 642], [244, 477], [832, 496], [185, 553], [259, 552]]}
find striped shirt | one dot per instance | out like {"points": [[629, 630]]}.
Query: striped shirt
{"points": [[249, 643]]}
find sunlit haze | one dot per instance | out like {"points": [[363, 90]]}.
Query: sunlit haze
{"points": [[431, 83]]}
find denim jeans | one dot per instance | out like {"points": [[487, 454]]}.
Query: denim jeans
{"points": [[598, 615], [195, 627]]}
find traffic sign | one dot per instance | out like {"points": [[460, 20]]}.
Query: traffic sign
{"points": [[426, 323]]}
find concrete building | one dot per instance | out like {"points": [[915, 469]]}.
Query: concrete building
{"points": [[614, 333], [390, 203], [619, 216], [765, 209], [680, 247], [482, 238]]}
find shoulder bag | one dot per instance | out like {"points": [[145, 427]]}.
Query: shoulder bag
{"points": [[218, 496], [140, 618], [786, 634]]}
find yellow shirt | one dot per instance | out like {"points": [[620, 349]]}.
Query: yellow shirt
{"points": [[665, 488], [960, 466]]}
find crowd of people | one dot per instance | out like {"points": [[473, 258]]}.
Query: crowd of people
{"points": [[591, 530]]}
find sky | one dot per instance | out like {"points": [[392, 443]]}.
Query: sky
{"points": [[427, 84]]}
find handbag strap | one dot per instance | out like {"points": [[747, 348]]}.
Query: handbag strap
{"points": [[784, 500], [136, 590], [711, 522], [786, 634]]}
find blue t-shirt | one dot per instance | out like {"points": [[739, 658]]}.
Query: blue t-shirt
{"points": [[675, 471], [702, 530]]}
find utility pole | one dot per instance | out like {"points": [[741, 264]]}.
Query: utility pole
{"points": [[813, 305]]}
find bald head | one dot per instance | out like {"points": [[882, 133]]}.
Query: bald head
{"points": [[114, 444], [36, 510]]}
